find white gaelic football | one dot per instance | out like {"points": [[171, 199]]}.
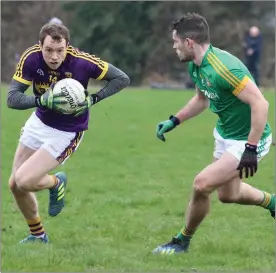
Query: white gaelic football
{"points": [[73, 92]]}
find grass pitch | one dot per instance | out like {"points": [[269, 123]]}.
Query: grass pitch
{"points": [[126, 194]]}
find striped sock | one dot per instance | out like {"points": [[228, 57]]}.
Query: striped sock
{"points": [[268, 201], [36, 228], [185, 234]]}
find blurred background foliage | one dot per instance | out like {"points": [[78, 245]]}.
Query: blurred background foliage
{"points": [[135, 35]]}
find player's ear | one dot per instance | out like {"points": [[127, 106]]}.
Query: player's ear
{"points": [[185, 41], [189, 42], [40, 45]]}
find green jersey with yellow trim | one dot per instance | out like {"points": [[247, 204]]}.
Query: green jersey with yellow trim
{"points": [[221, 77]]}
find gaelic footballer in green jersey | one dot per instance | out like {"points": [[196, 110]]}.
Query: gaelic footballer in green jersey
{"points": [[242, 134], [221, 77]]}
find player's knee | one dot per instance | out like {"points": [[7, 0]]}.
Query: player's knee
{"points": [[23, 181], [12, 183], [16, 191], [201, 185]]}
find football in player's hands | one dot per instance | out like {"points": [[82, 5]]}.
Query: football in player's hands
{"points": [[71, 93]]}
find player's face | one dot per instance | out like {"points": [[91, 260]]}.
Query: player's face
{"points": [[54, 52], [184, 48]]}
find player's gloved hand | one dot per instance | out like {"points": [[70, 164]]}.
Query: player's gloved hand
{"points": [[48, 100], [166, 126], [90, 100], [249, 161]]}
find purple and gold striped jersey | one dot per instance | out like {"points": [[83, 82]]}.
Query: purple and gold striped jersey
{"points": [[221, 77], [81, 66]]}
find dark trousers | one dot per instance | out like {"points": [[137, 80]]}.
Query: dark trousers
{"points": [[253, 67]]}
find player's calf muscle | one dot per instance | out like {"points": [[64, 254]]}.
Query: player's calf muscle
{"points": [[227, 198], [32, 181], [25, 182], [28, 181]]}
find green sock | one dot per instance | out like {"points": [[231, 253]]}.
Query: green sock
{"points": [[185, 234], [268, 201]]}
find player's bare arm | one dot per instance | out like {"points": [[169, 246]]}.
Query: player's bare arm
{"points": [[259, 110], [194, 107], [252, 96]]}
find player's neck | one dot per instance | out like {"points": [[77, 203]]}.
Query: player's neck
{"points": [[200, 51]]}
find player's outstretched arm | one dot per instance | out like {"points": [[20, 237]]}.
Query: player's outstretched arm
{"points": [[193, 108], [17, 99], [117, 80]]}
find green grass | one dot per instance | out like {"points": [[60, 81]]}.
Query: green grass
{"points": [[127, 192]]}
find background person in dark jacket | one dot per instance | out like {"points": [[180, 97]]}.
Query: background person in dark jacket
{"points": [[252, 45]]}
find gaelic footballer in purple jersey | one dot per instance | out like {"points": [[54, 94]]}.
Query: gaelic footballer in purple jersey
{"points": [[77, 65]]}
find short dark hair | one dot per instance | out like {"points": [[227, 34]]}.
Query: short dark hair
{"points": [[56, 31], [193, 26]]}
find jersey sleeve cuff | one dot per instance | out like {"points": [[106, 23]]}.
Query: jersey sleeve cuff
{"points": [[22, 80], [105, 68], [241, 86]]}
